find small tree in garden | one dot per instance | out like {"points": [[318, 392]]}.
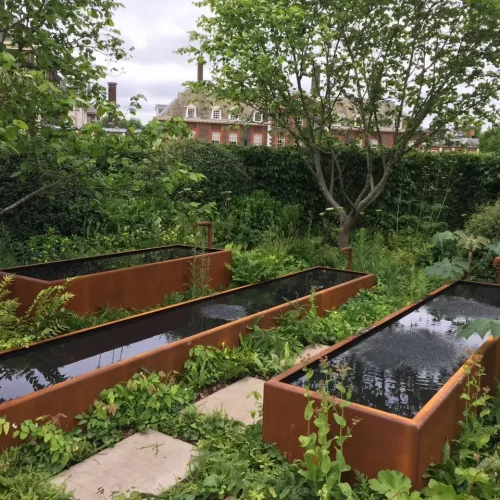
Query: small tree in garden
{"points": [[48, 64], [324, 68]]}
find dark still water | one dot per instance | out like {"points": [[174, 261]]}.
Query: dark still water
{"points": [[69, 268], [33, 369], [402, 365]]}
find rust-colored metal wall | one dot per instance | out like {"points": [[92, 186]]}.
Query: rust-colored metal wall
{"points": [[135, 287], [496, 263], [381, 440], [74, 396]]}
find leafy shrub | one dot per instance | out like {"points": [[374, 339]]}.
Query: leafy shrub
{"points": [[223, 170], [45, 318], [485, 222], [147, 401], [31, 485], [246, 219], [258, 265]]}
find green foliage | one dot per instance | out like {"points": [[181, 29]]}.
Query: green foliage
{"points": [[31, 485], [223, 170], [147, 401], [44, 318], [489, 141], [449, 269], [47, 445], [246, 219], [259, 264], [485, 222], [238, 464], [323, 473], [482, 326]]}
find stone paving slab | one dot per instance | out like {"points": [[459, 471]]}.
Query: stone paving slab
{"points": [[149, 461], [233, 400], [309, 352]]}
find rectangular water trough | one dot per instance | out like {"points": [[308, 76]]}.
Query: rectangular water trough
{"points": [[133, 280], [65, 374], [407, 374]]}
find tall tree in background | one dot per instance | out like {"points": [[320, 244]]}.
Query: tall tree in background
{"points": [[489, 141], [48, 64], [402, 64]]}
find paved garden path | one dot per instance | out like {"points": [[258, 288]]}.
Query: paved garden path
{"points": [[152, 461], [236, 400], [149, 461]]}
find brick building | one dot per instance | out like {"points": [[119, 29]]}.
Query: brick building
{"points": [[226, 123]]}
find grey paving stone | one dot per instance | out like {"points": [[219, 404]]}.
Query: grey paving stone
{"points": [[234, 401], [309, 352], [149, 462]]}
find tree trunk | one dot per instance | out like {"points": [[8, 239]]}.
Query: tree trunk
{"points": [[345, 230]]}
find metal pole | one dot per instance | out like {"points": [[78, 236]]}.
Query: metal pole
{"points": [[210, 236], [348, 251]]}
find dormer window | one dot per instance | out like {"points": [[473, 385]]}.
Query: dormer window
{"points": [[234, 116], [257, 117], [191, 112], [216, 114]]}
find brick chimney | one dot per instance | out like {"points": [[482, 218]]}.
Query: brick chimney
{"points": [[200, 71], [112, 91]]}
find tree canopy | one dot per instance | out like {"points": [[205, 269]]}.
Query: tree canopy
{"points": [[354, 69]]}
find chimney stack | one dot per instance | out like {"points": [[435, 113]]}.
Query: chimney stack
{"points": [[112, 91], [200, 71]]}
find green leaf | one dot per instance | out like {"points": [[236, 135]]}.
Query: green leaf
{"points": [[309, 411], [20, 124], [481, 326], [390, 483], [340, 420], [439, 491], [211, 481]]}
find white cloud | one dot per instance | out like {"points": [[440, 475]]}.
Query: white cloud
{"points": [[155, 28]]}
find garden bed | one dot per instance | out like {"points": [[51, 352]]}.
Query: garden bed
{"points": [[407, 374], [133, 280], [65, 374]]}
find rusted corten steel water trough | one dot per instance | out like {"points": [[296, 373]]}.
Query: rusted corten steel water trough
{"points": [[66, 374], [132, 280], [407, 373]]}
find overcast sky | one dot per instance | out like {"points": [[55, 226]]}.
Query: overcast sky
{"points": [[156, 28]]}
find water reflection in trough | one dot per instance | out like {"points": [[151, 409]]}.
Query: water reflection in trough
{"points": [[403, 364], [41, 366], [80, 267]]}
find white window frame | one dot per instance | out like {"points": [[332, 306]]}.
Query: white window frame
{"points": [[374, 142], [258, 114], [216, 111], [300, 122], [259, 142], [280, 140], [234, 117], [216, 133], [233, 138], [191, 108]]}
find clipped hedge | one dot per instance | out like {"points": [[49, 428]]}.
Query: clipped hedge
{"points": [[425, 189], [66, 210]]}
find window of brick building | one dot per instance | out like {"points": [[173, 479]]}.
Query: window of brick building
{"points": [[257, 117], [281, 141], [216, 114], [233, 138], [216, 137], [190, 112], [234, 116], [257, 139], [300, 122], [374, 142]]}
